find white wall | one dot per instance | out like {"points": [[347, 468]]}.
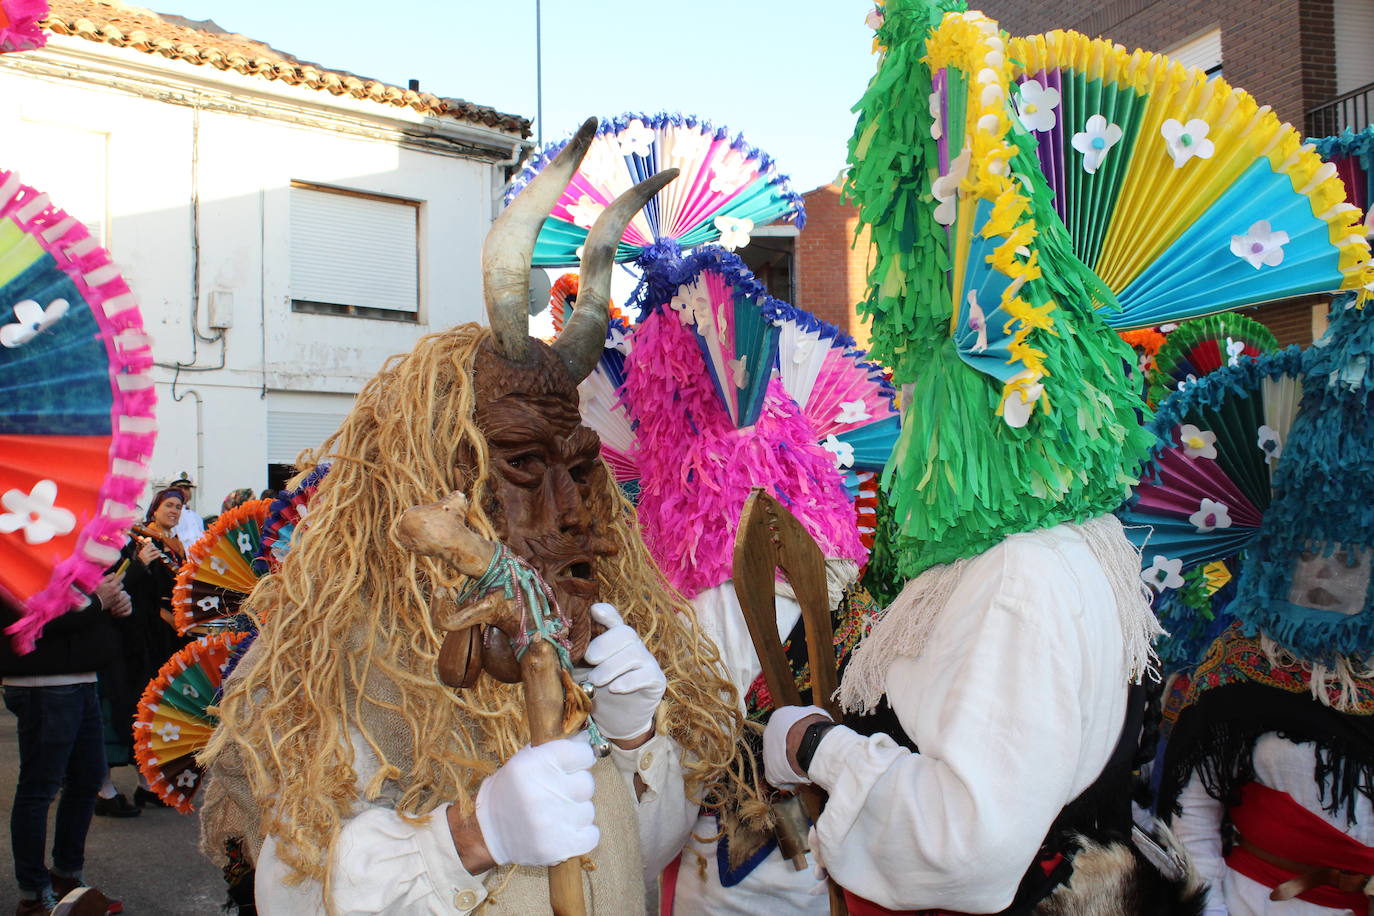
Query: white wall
{"points": [[238, 150]]}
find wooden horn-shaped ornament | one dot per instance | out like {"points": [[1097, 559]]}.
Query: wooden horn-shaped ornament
{"points": [[552, 711]]}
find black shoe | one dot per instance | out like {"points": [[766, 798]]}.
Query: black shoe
{"points": [[118, 806], [146, 799]]}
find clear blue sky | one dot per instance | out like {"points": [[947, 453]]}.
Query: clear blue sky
{"points": [[783, 72]]}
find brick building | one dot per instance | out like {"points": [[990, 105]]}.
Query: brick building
{"points": [[1311, 60]]}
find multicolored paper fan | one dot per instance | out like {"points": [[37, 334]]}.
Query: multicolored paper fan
{"points": [[1204, 345], [76, 413], [174, 723], [19, 29], [218, 573], [726, 188], [603, 408], [1182, 193], [284, 518], [1219, 440], [563, 299]]}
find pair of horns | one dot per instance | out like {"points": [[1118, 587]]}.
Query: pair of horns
{"points": [[509, 249]]}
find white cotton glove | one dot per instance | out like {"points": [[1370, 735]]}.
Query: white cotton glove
{"points": [[537, 809], [628, 681], [777, 769]]}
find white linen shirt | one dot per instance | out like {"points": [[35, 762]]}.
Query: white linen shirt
{"points": [[1280, 764], [1016, 704], [386, 866]]}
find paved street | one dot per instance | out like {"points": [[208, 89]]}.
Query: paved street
{"points": [[150, 861]]}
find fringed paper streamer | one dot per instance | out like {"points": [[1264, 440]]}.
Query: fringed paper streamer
{"points": [[725, 189], [219, 572], [174, 722], [1353, 156], [1181, 192], [19, 25], [1204, 345], [77, 427], [1018, 413]]}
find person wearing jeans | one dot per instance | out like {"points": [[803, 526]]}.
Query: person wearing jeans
{"points": [[52, 692]]}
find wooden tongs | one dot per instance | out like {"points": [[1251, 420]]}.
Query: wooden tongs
{"points": [[440, 530], [771, 538]]}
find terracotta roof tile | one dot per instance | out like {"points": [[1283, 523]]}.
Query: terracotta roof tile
{"points": [[121, 25]]}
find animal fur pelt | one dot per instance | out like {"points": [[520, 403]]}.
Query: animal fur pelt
{"points": [[1143, 876]]}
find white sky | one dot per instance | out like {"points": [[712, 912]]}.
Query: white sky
{"points": [[783, 72]]}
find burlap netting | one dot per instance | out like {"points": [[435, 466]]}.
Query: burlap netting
{"points": [[613, 883]]}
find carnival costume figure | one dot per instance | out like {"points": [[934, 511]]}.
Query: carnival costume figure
{"points": [[1269, 759], [360, 782]]}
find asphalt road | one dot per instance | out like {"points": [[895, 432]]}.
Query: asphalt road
{"points": [[150, 862]]}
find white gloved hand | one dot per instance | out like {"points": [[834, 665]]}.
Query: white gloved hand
{"points": [[537, 809], [777, 769], [628, 681]]}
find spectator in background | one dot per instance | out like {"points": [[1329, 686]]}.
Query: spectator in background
{"points": [[270, 493], [191, 526], [52, 691]]}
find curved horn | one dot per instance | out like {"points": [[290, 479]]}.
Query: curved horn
{"points": [[509, 246], [584, 335]]}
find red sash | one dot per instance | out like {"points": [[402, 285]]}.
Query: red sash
{"points": [[1272, 821], [858, 906]]}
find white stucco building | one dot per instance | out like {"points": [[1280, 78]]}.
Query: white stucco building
{"points": [[286, 227]]}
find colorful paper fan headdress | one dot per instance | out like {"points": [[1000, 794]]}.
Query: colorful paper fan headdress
{"points": [[1181, 192], [1306, 580], [76, 414], [723, 389], [19, 29], [1204, 345], [725, 189], [284, 519], [174, 723], [219, 569], [1018, 410]]}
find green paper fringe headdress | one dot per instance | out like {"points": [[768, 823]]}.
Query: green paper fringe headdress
{"points": [[963, 477]]}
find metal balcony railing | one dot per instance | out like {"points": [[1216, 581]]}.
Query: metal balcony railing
{"points": [[1349, 110]]}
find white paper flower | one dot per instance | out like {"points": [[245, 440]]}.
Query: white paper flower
{"points": [[36, 513], [732, 172], [617, 339], [802, 353], [1163, 574], [30, 320], [937, 129], [734, 231], [1271, 443], [977, 322], [1210, 516], [1019, 402], [169, 732], [739, 370], [1184, 141], [874, 19], [1036, 105], [1260, 245], [946, 188], [1197, 443], [843, 452], [852, 412], [1095, 140], [1235, 349], [636, 139], [1187, 380], [187, 778], [584, 213]]}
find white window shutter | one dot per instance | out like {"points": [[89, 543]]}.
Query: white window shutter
{"points": [[352, 250], [290, 432], [1201, 51]]}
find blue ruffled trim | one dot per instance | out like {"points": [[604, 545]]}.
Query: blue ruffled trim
{"points": [[614, 125]]}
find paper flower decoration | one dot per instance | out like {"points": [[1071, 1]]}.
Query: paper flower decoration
{"points": [[1095, 140], [186, 778], [19, 20], [636, 139], [1270, 443], [946, 188], [731, 173], [1184, 141], [1210, 516], [734, 231], [1163, 573], [874, 19], [36, 513], [169, 732], [1022, 392], [1260, 245], [586, 211], [977, 321], [936, 130], [852, 412], [843, 451], [31, 319], [1197, 443], [1037, 105], [1235, 349]]}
